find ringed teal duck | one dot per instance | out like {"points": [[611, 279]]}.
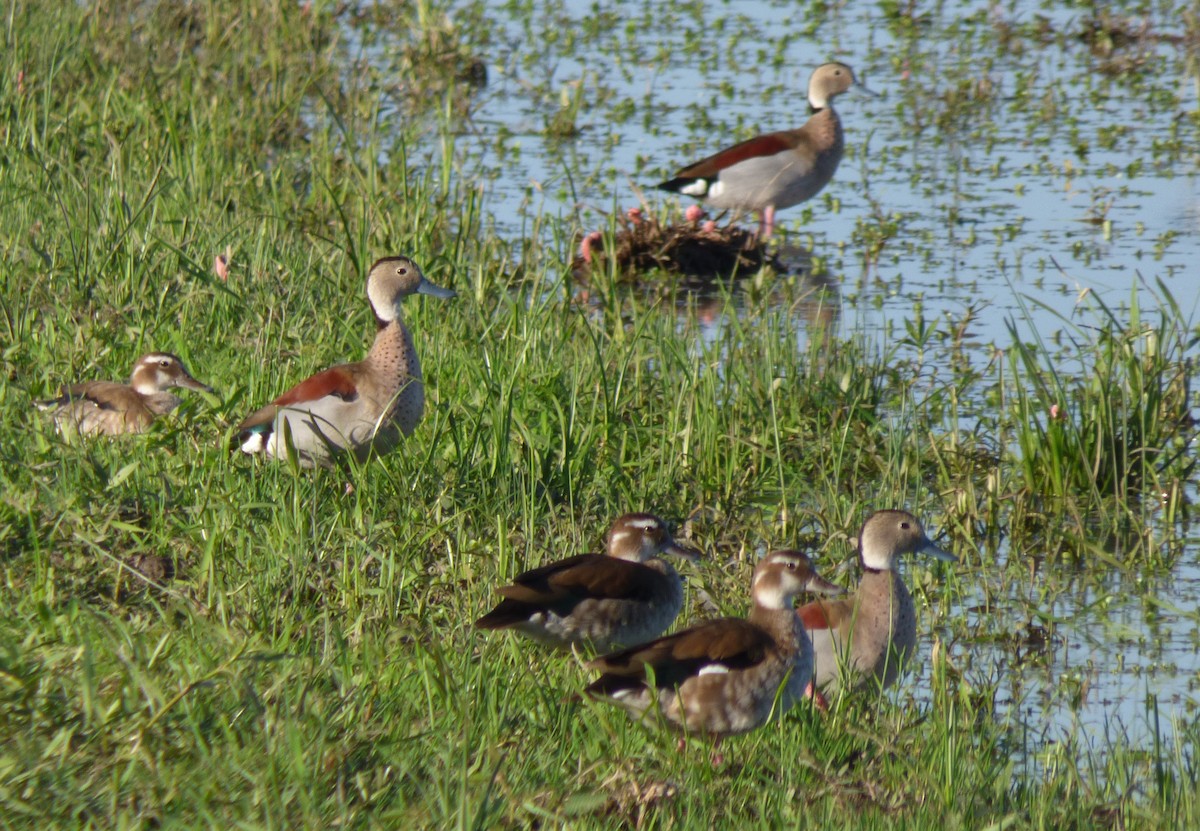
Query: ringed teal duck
{"points": [[624, 596], [112, 409], [776, 170], [723, 676], [868, 637], [358, 407]]}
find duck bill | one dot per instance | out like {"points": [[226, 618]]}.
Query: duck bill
{"points": [[819, 585], [684, 551], [190, 383], [434, 290], [931, 550], [859, 86]]}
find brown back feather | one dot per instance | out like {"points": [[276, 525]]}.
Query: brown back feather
{"points": [[561, 586], [731, 642], [583, 576]]}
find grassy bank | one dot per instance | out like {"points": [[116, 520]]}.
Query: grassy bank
{"points": [[310, 661]]}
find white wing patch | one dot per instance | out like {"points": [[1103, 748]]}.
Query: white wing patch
{"points": [[254, 444]]}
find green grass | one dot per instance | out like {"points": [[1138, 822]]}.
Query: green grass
{"points": [[312, 663]]}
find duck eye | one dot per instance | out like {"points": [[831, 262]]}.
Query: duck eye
{"points": [[905, 525]]}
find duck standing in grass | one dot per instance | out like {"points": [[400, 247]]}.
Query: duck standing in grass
{"points": [[776, 170], [867, 638], [627, 595], [353, 408], [723, 676], [109, 408]]}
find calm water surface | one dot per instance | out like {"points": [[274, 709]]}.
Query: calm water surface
{"points": [[1025, 173]]}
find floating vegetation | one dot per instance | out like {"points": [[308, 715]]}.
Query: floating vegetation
{"points": [[429, 59]]}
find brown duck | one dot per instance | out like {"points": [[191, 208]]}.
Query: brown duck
{"points": [[625, 596], [109, 408]]}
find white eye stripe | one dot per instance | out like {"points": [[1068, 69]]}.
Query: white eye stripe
{"points": [[644, 524], [713, 669]]}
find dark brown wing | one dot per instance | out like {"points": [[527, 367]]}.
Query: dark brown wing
{"points": [[733, 643], [561, 586], [587, 575]]}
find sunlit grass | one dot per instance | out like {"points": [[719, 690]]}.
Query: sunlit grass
{"points": [[311, 662]]}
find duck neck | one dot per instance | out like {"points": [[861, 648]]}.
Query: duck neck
{"points": [[392, 353], [779, 623], [886, 584], [827, 129]]}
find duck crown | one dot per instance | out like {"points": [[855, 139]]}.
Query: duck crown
{"points": [[391, 279], [886, 535], [828, 81], [639, 537], [157, 372], [781, 575]]}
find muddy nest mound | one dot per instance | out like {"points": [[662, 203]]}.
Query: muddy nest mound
{"points": [[698, 251]]}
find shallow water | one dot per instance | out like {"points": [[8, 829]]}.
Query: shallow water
{"points": [[1026, 174]]}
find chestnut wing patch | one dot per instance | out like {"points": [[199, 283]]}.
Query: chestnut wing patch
{"points": [[824, 615], [710, 168], [336, 382]]}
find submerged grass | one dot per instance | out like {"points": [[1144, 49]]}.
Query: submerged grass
{"points": [[307, 658], [1119, 422]]}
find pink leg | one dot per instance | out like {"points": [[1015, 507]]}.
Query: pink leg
{"points": [[585, 245], [818, 699], [767, 226]]}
